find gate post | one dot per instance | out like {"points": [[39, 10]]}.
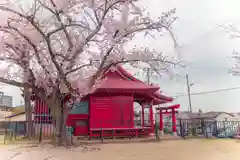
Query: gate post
{"points": [[142, 112], [161, 122], [181, 129], [101, 134], [40, 134], [157, 132], [225, 129], [174, 123]]}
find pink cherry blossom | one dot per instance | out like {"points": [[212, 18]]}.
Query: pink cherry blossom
{"points": [[72, 41]]}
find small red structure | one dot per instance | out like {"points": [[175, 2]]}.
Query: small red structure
{"points": [[109, 111], [42, 112], [168, 110]]}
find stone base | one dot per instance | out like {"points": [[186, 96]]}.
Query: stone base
{"points": [[161, 133], [236, 137], [152, 134], [174, 134]]}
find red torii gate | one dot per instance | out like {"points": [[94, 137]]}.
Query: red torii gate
{"points": [[157, 99], [168, 110]]}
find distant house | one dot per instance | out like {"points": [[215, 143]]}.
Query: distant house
{"points": [[6, 100], [237, 116], [220, 116], [186, 115], [217, 116]]}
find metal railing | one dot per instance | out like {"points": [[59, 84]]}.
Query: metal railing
{"points": [[12, 131], [209, 128], [17, 130]]}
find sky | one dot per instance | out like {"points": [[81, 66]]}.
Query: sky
{"points": [[204, 46]]}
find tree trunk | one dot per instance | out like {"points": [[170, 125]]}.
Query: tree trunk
{"points": [[59, 122], [59, 116], [61, 134], [56, 113], [66, 138], [28, 112]]}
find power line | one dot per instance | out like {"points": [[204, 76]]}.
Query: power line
{"points": [[208, 92]]}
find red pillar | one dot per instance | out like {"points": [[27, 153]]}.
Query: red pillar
{"points": [[151, 115], [174, 121], [132, 120], [160, 120], [142, 115]]}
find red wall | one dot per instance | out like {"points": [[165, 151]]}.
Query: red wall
{"points": [[41, 107], [111, 112], [42, 114], [105, 112], [73, 117]]}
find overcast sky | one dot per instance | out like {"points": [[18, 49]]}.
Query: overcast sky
{"points": [[204, 46]]}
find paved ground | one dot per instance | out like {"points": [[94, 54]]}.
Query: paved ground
{"points": [[197, 149]]}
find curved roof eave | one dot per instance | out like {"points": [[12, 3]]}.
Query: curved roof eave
{"points": [[158, 95]]}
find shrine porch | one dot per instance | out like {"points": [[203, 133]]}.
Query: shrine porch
{"points": [[120, 132]]}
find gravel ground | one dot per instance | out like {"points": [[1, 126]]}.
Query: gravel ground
{"points": [[196, 149]]}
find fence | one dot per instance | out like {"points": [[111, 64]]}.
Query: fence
{"points": [[208, 128], [17, 130], [185, 128]]}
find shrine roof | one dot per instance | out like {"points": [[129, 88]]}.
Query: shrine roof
{"points": [[175, 106], [158, 95], [117, 78], [127, 85]]}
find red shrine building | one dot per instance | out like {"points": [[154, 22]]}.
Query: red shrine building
{"points": [[109, 111]]}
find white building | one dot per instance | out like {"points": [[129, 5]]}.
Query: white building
{"points": [[223, 116], [6, 100], [217, 116]]}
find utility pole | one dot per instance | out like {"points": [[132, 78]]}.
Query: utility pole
{"points": [[148, 75], [1, 97], [189, 94]]}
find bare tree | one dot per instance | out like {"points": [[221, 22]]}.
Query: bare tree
{"points": [[55, 47]]}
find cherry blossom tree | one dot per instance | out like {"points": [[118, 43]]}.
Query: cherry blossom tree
{"points": [[55, 47]]}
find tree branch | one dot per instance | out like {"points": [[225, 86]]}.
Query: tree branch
{"points": [[11, 82], [95, 31], [57, 14], [149, 60], [30, 19], [67, 26], [9, 27], [102, 14], [78, 68]]}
